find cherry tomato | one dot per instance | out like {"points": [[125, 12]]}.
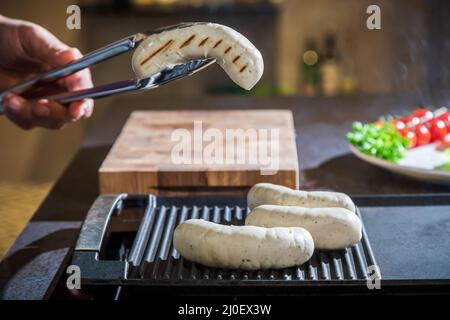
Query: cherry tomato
{"points": [[444, 143], [423, 135], [423, 114], [438, 129], [401, 127], [412, 137], [446, 118], [411, 120]]}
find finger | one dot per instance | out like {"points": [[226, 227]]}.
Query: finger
{"points": [[19, 121], [76, 110], [49, 114], [81, 109], [19, 111], [63, 57], [77, 81], [42, 90], [28, 114], [89, 109]]}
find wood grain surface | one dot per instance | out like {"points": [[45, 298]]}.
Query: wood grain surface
{"points": [[141, 159]]}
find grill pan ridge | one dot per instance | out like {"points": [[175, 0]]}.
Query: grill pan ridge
{"points": [[153, 260]]}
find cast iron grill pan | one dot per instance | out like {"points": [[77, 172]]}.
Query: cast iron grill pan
{"points": [[153, 260]]}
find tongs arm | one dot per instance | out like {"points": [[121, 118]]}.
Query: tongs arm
{"points": [[100, 91], [99, 55], [129, 43], [161, 78]]}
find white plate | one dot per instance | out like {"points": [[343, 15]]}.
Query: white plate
{"points": [[418, 163]]}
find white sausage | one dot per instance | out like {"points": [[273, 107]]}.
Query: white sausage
{"points": [[234, 53], [331, 228], [242, 247], [267, 193]]}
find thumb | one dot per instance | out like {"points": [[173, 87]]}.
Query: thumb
{"points": [[62, 57]]}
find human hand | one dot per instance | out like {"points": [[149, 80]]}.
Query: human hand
{"points": [[32, 49]]}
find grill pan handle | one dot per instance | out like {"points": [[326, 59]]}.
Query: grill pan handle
{"points": [[94, 227]]}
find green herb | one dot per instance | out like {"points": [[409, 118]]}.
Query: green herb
{"points": [[446, 165], [381, 141]]}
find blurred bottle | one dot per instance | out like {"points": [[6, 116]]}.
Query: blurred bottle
{"points": [[310, 69], [349, 79], [330, 70], [349, 83]]}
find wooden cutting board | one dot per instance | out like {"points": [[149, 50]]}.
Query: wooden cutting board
{"points": [[151, 154]]}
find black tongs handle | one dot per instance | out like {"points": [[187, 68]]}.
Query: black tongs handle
{"points": [[99, 55]]}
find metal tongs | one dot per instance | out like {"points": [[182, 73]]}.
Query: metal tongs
{"points": [[114, 49]]}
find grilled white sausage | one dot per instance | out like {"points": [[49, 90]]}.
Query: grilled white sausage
{"points": [[242, 247], [267, 193], [234, 53], [331, 228]]}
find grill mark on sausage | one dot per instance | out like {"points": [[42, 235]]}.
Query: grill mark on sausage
{"points": [[228, 50], [188, 41], [218, 43], [203, 42], [164, 47], [243, 68], [236, 59], [168, 46]]}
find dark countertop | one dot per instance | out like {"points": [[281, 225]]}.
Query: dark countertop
{"points": [[408, 243]]}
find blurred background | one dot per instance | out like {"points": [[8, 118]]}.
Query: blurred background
{"points": [[321, 49]]}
